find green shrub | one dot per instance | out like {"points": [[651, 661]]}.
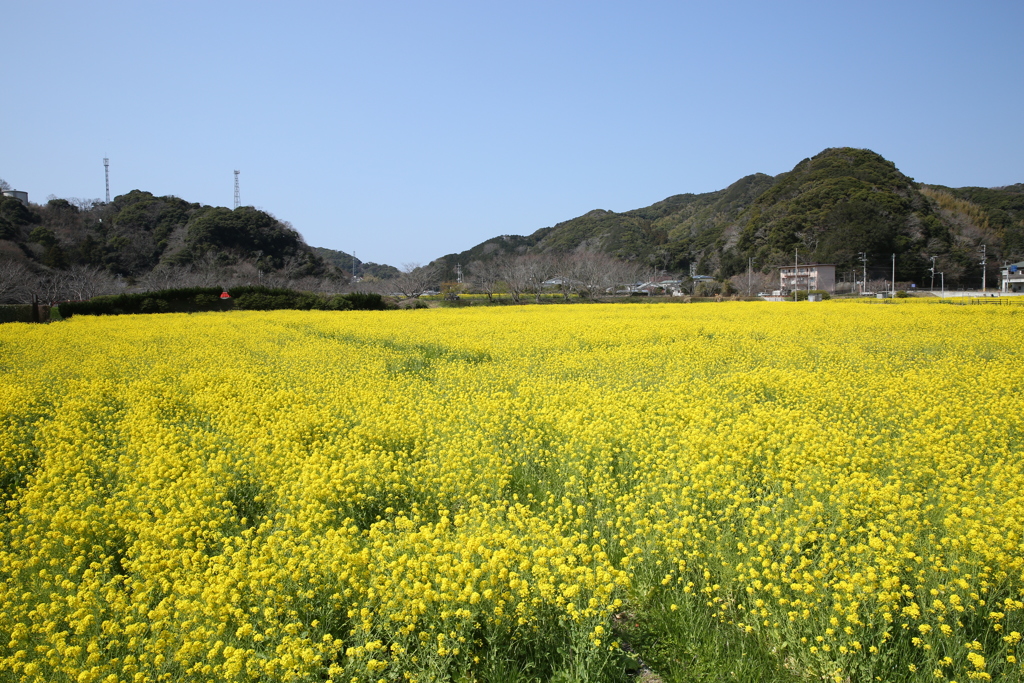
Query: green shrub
{"points": [[801, 295], [338, 303], [456, 303], [365, 301], [151, 305]]}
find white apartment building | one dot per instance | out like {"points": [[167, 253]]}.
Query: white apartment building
{"points": [[807, 276], [1013, 278]]}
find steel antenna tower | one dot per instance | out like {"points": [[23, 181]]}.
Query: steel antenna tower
{"points": [[106, 173], [238, 202]]}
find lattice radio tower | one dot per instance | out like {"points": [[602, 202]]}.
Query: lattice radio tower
{"points": [[238, 202], [106, 172]]}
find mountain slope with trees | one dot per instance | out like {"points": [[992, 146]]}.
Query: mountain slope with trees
{"points": [[138, 232], [350, 264], [73, 248], [828, 209]]}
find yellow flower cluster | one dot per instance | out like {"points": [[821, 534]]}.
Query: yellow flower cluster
{"points": [[369, 496]]}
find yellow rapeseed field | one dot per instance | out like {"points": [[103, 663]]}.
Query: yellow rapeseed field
{"points": [[427, 495]]}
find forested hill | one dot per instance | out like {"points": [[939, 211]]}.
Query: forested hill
{"points": [[349, 263], [139, 233], [830, 207]]}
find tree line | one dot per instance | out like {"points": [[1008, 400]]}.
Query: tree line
{"points": [[586, 274]]}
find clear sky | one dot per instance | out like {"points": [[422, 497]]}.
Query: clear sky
{"points": [[408, 130]]}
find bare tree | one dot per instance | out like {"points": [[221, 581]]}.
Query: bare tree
{"points": [[16, 282], [369, 285], [4, 185], [754, 282], [245, 273], [85, 282], [76, 284], [207, 272], [597, 273], [584, 270], [415, 279], [53, 286], [330, 286], [164, 277], [307, 284], [592, 270], [484, 276], [559, 273], [587, 272], [83, 204], [538, 268], [708, 288], [623, 274], [511, 268]]}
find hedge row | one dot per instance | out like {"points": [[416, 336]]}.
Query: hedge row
{"points": [[801, 295], [197, 299], [22, 313]]}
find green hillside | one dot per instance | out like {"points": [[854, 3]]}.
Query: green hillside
{"points": [[829, 208], [349, 263], [137, 232]]}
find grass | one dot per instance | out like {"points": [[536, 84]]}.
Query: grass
{"points": [[681, 640]]}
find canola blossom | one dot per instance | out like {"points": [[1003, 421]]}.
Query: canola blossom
{"points": [[417, 495]]}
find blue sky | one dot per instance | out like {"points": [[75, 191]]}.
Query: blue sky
{"points": [[408, 130]]}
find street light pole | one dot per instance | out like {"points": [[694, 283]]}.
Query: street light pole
{"points": [[933, 274]]}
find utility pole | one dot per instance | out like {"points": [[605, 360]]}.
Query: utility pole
{"points": [[106, 173], [984, 259], [894, 276], [933, 274], [238, 202], [943, 276], [354, 265], [796, 269], [750, 273], [864, 277]]}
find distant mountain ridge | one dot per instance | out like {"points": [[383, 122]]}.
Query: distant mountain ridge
{"points": [[829, 208], [349, 263]]}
